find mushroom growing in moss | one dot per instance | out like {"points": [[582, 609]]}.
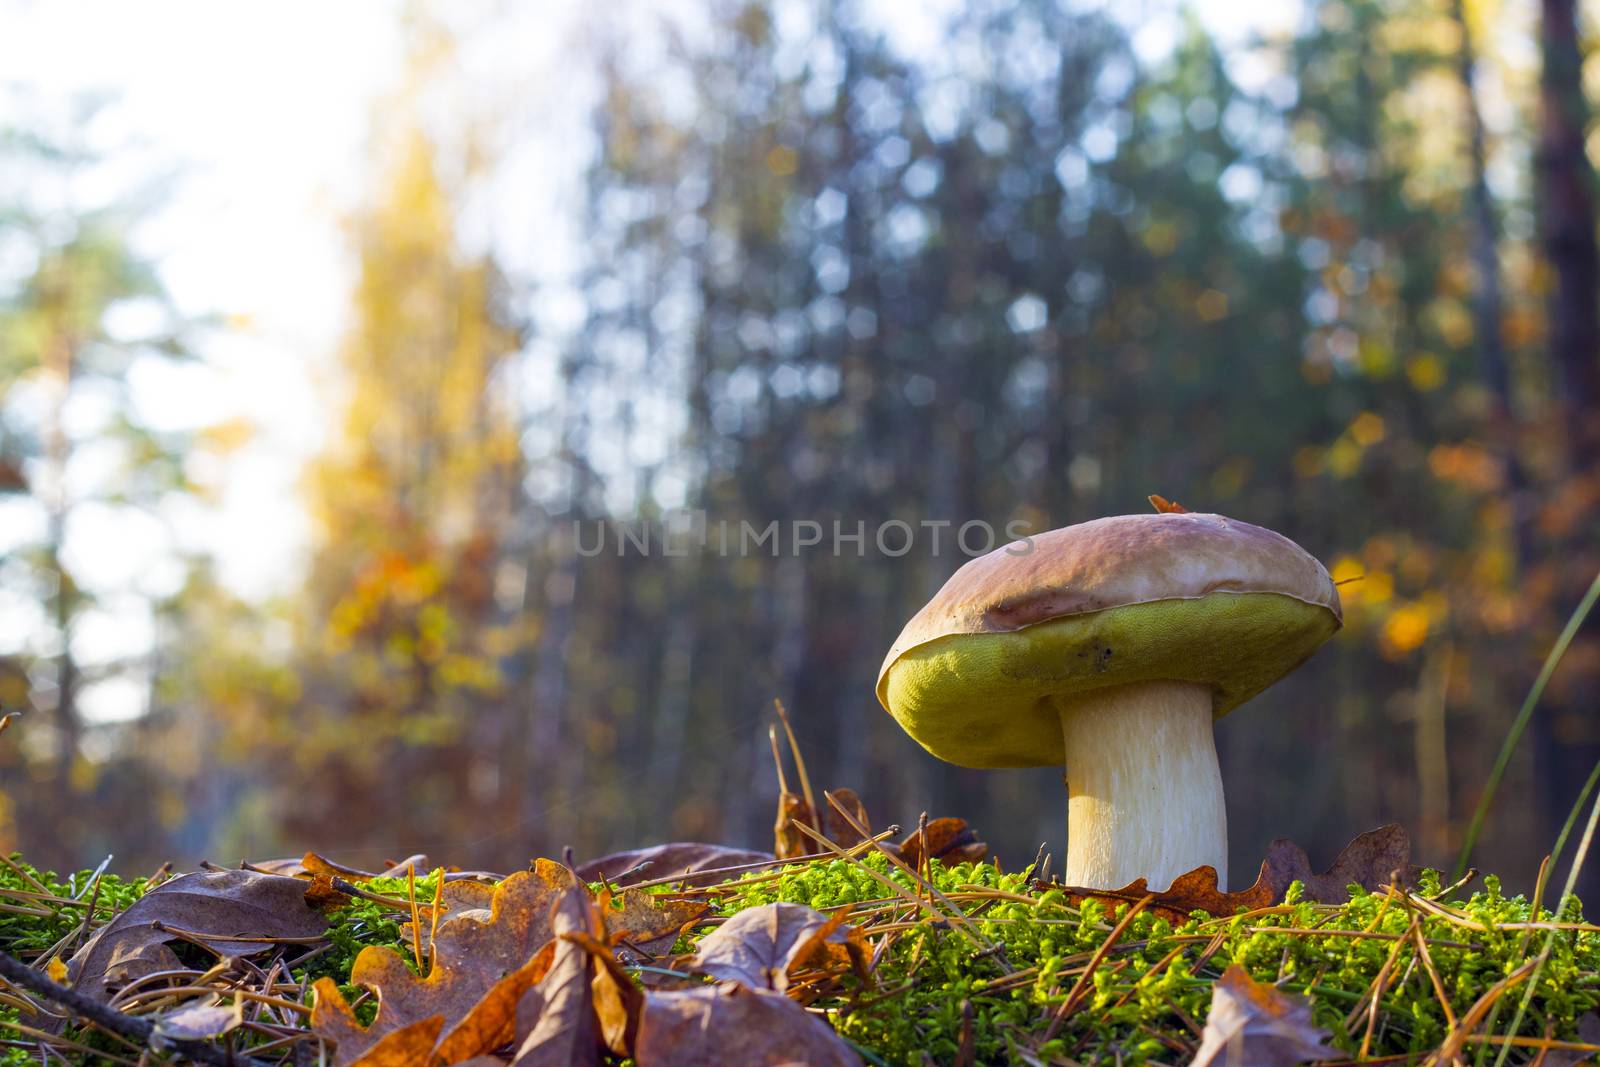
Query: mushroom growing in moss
{"points": [[1110, 647]]}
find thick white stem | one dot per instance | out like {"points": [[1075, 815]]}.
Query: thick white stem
{"points": [[1144, 791]]}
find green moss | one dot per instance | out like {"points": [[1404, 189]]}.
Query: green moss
{"points": [[362, 923], [351, 928], [1140, 998], [29, 937], [1137, 1004]]}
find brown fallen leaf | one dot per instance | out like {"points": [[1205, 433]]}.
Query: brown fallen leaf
{"points": [[408, 1046], [1253, 1024], [493, 1020], [837, 826], [1368, 861], [477, 985], [1164, 506], [761, 946], [196, 1022], [618, 1000], [321, 893], [1194, 891], [472, 955], [787, 842], [733, 1023], [556, 1024], [472, 899], [952, 841], [948, 840], [311, 863], [215, 905], [288, 867], [646, 924], [678, 860]]}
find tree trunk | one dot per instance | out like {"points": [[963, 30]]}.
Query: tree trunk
{"points": [[1565, 194], [1567, 225], [59, 365]]}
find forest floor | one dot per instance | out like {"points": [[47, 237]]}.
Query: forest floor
{"points": [[847, 947]]}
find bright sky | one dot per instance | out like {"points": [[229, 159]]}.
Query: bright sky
{"points": [[264, 111]]}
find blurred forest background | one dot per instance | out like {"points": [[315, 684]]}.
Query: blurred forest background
{"points": [[1340, 281]]}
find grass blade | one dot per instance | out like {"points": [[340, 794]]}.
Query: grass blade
{"points": [[1566, 897], [1514, 735]]}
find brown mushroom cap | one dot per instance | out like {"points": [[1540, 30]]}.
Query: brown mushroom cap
{"points": [[1134, 598]]}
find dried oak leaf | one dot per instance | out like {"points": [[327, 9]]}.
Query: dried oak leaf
{"points": [[838, 828], [556, 1024], [788, 842], [472, 899], [473, 956], [647, 924], [215, 905], [735, 1024], [760, 946], [948, 840], [1253, 1024], [680, 860], [313, 864], [1194, 891], [406, 1047], [1368, 861], [618, 1000]]}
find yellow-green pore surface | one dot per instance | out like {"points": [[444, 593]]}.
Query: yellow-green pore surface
{"points": [[987, 699]]}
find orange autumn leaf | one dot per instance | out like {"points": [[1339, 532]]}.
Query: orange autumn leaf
{"points": [[472, 955], [1371, 861]]}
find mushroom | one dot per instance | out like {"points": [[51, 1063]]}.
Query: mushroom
{"points": [[1110, 647]]}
